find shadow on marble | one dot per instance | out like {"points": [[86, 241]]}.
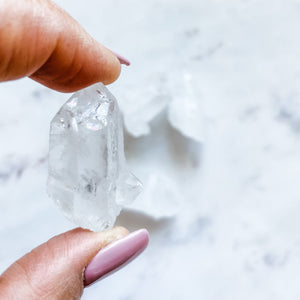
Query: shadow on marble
{"points": [[134, 220]]}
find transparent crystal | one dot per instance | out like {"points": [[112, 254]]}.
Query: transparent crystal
{"points": [[88, 177]]}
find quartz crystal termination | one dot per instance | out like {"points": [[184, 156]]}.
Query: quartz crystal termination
{"points": [[88, 176]]}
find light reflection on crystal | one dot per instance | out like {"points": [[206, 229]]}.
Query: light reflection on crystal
{"points": [[94, 126], [72, 102]]}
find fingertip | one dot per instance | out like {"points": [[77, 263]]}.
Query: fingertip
{"points": [[111, 67], [123, 60], [116, 233], [52, 49], [77, 60], [92, 63], [120, 231], [56, 267], [115, 256]]}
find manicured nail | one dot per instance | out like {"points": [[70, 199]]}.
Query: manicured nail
{"points": [[122, 59], [116, 255]]}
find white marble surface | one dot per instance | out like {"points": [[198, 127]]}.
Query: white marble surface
{"points": [[226, 74]]}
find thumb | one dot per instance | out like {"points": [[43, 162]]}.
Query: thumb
{"points": [[54, 270]]}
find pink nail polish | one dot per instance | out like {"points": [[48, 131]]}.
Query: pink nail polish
{"points": [[116, 255], [122, 59]]}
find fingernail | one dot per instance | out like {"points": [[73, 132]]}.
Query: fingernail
{"points": [[116, 255], [122, 59]]}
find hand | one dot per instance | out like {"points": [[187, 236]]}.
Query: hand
{"points": [[55, 269], [40, 40]]}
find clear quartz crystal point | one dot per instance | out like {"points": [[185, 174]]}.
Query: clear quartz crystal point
{"points": [[88, 177]]}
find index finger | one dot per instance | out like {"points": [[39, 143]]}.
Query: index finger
{"points": [[40, 40]]}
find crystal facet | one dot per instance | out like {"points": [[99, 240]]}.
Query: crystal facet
{"points": [[88, 177]]}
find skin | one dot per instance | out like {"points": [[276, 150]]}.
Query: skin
{"points": [[40, 40], [54, 270]]}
